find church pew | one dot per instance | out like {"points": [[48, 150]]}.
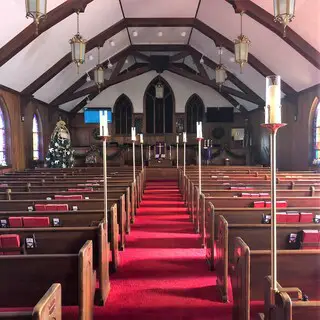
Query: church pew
{"points": [[74, 206], [31, 275], [65, 240], [48, 307], [300, 267], [256, 236], [70, 219], [286, 307]]}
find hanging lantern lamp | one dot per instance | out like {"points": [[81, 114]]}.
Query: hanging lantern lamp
{"points": [[241, 48], [78, 47], [221, 73], [159, 90], [99, 73], [37, 10], [284, 12]]}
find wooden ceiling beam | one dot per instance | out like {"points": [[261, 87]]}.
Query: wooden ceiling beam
{"points": [[108, 83], [267, 20], [230, 76], [141, 56], [83, 103], [200, 67], [27, 35], [179, 56]]}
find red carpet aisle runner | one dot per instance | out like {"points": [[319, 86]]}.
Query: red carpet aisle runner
{"points": [[163, 274]]}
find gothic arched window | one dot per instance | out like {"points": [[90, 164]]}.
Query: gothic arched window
{"points": [[123, 115], [195, 112], [159, 107], [36, 137], [4, 137], [316, 133]]}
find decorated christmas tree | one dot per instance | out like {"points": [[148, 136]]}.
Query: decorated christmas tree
{"points": [[60, 153]]}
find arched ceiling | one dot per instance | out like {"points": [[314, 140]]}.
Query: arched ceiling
{"points": [[41, 65]]}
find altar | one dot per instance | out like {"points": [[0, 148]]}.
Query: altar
{"points": [[159, 155]]}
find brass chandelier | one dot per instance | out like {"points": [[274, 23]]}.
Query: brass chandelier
{"points": [[99, 73], [37, 10], [221, 73], [241, 47], [284, 12], [78, 47]]}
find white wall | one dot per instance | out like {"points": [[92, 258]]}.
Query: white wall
{"points": [[182, 88]]}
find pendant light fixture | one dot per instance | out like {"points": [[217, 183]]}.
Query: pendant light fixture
{"points": [[37, 10], [284, 12], [241, 48], [221, 73], [78, 47], [159, 90], [99, 73]]}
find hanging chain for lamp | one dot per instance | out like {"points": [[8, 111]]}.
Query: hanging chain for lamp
{"points": [[241, 47], [37, 10], [284, 12], [99, 73], [78, 46], [221, 73]]}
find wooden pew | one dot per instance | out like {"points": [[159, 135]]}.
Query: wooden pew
{"points": [[256, 236], [65, 240], [287, 307], [48, 307], [31, 275], [300, 267]]}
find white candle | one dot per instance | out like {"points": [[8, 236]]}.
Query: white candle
{"points": [[177, 139], [104, 130], [199, 130], [133, 133], [273, 100], [184, 135], [141, 137]]}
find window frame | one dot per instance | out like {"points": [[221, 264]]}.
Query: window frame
{"points": [[36, 117], [315, 128], [124, 114], [200, 112]]}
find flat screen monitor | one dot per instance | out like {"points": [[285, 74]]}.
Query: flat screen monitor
{"points": [[92, 115], [224, 114]]}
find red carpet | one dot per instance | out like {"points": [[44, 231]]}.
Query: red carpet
{"points": [[163, 273]]}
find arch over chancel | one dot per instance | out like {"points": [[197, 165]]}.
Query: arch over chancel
{"points": [[159, 107], [195, 112], [122, 111]]}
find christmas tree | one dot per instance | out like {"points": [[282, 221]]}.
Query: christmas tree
{"points": [[60, 153]]}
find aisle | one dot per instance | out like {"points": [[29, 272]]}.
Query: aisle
{"points": [[163, 274]]}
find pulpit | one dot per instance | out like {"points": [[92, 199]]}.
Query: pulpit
{"points": [[159, 155]]}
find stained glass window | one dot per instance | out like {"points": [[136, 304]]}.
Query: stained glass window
{"points": [[36, 136], [195, 112], [3, 140], [123, 115], [316, 133]]}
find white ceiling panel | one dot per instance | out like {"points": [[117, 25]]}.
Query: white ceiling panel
{"points": [[52, 45], [306, 21], [250, 76], [13, 17], [161, 35], [248, 105], [129, 62], [159, 9], [71, 104], [271, 50], [69, 75]]}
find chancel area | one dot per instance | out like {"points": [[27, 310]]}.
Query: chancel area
{"points": [[160, 159]]}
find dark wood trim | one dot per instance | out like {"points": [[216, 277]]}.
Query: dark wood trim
{"points": [[117, 68], [179, 56], [27, 35], [200, 67], [267, 20], [141, 56]]}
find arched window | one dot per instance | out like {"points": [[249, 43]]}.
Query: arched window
{"points": [[3, 139], [159, 107], [36, 138], [316, 134], [123, 115], [195, 112]]}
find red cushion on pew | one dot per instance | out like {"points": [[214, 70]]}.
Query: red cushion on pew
{"points": [[1, 253], [293, 217], [40, 207], [310, 246], [80, 189], [15, 222], [35, 222], [279, 204], [245, 195], [306, 217], [310, 236], [254, 195], [264, 194], [57, 207], [281, 217], [70, 197], [10, 241], [258, 204]]}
